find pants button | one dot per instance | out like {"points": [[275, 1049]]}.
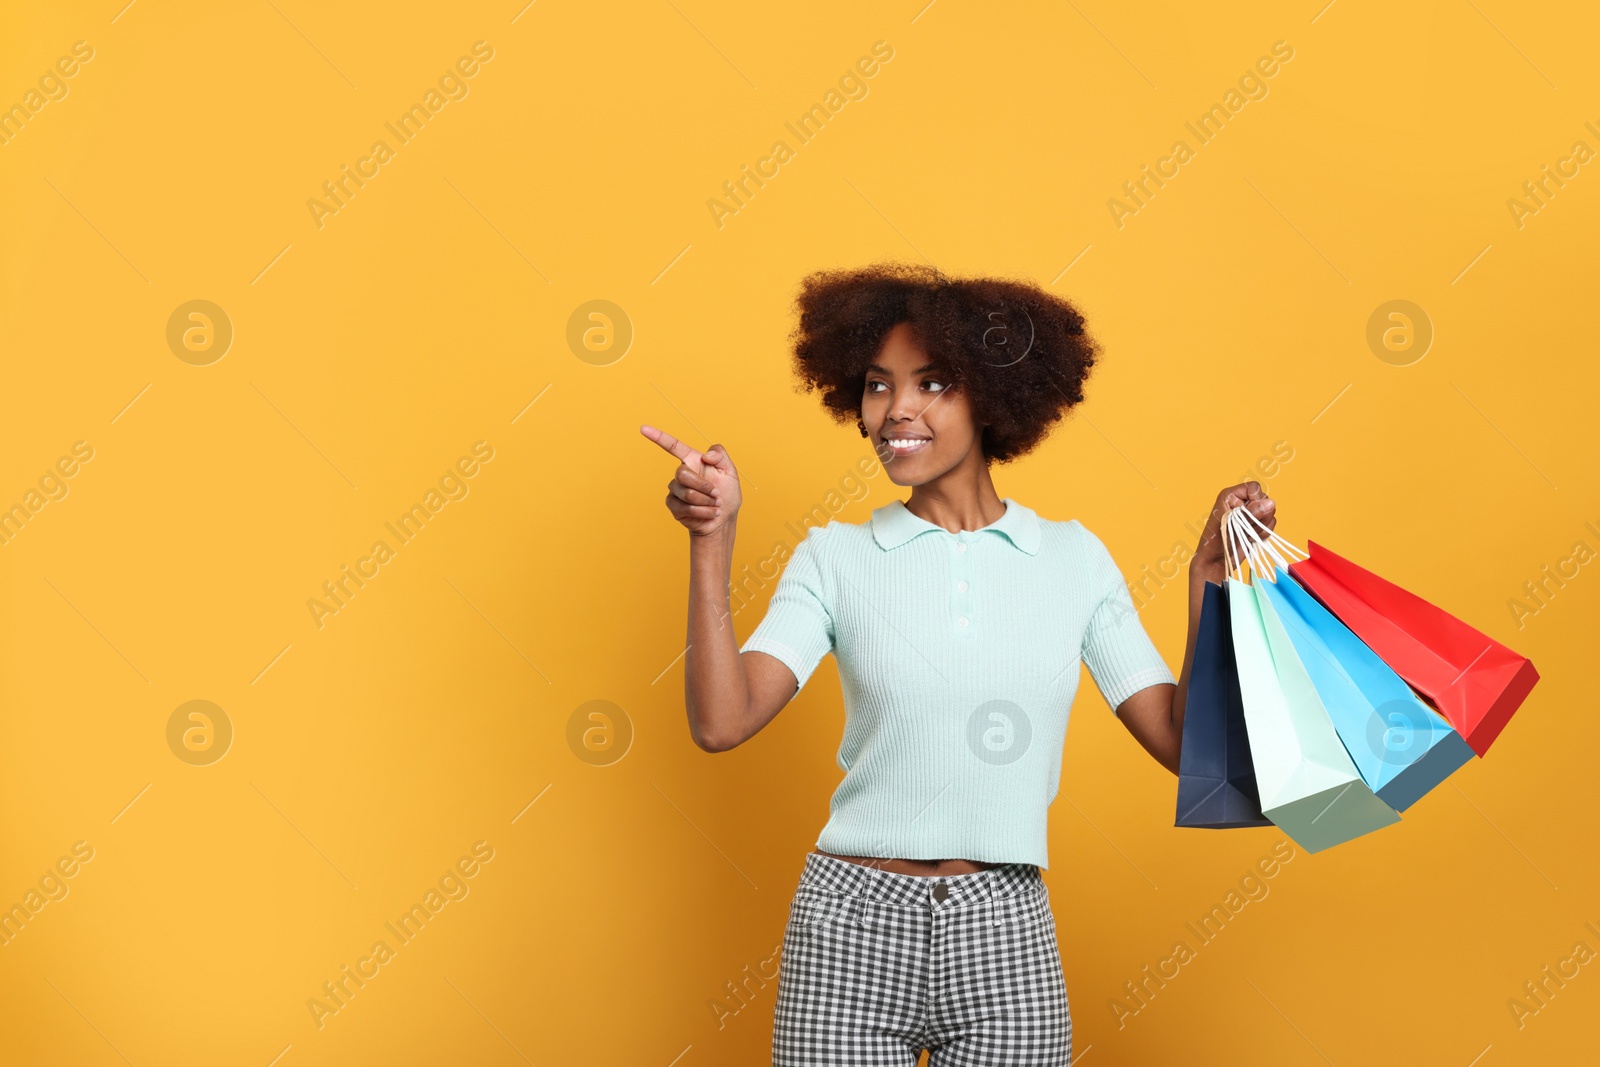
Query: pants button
{"points": [[940, 892]]}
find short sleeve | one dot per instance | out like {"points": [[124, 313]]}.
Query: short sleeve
{"points": [[1119, 654], [797, 628]]}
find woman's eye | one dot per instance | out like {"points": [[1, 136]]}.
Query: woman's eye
{"points": [[932, 383]]}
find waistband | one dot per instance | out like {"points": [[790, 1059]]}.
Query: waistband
{"points": [[943, 891]]}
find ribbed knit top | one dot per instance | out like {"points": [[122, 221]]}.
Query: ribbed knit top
{"points": [[958, 657]]}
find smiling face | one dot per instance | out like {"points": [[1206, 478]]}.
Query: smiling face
{"points": [[920, 425]]}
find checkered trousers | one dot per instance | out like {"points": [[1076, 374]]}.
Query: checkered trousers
{"points": [[878, 966]]}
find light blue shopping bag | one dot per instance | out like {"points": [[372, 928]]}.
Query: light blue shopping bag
{"points": [[1401, 746]]}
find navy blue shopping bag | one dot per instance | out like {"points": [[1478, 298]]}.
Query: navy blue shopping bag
{"points": [[1216, 780]]}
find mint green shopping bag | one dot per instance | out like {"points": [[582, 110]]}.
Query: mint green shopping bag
{"points": [[1309, 787]]}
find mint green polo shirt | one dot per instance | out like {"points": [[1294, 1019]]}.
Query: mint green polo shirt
{"points": [[958, 657]]}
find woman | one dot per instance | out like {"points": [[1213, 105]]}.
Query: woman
{"points": [[958, 619]]}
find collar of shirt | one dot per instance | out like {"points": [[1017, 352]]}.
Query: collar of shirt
{"points": [[894, 524]]}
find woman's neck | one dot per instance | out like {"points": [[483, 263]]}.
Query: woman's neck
{"points": [[955, 508]]}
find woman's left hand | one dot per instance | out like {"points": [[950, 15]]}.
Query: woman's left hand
{"points": [[1208, 559]]}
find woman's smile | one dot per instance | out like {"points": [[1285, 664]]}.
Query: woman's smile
{"points": [[906, 446]]}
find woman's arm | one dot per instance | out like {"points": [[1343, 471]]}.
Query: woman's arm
{"points": [[730, 695], [715, 690], [726, 702], [1154, 715]]}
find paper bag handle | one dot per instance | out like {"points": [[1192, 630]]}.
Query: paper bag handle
{"points": [[1233, 557], [1261, 554], [1244, 547], [1228, 565], [1274, 536]]}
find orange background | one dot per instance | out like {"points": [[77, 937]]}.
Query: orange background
{"points": [[632, 877]]}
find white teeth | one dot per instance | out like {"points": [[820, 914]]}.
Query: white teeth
{"points": [[905, 445]]}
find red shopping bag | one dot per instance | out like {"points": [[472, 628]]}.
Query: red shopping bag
{"points": [[1474, 681]]}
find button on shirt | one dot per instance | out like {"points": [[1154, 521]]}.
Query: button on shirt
{"points": [[958, 657]]}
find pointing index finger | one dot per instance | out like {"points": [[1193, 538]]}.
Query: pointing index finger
{"points": [[670, 443]]}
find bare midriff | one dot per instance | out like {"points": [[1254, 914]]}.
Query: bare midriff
{"points": [[925, 868]]}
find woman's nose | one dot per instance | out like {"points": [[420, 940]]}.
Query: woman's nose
{"points": [[905, 405]]}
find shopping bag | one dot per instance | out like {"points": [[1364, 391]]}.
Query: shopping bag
{"points": [[1216, 782], [1308, 785], [1474, 681], [1401, 746]]}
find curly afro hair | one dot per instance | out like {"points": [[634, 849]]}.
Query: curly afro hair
{"points": [[1020, 354]]}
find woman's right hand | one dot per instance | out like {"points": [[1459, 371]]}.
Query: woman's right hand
{"points": [[704, 491]]}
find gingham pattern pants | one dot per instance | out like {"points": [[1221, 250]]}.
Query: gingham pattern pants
{"points": [[878, 966]]}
